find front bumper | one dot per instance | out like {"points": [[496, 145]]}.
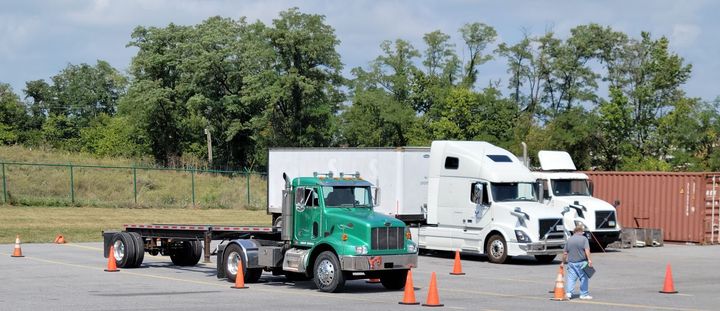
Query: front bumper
{"points": [[378, 263], [542, 248]]}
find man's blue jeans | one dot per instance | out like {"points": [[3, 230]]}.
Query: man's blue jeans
{"points": [[574, 272]]}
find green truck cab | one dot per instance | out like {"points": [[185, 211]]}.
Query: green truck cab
{"points": [[330, 233], [341, 237]]}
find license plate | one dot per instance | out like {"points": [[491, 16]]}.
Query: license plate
{"points": [[560, 228], [611, 223]]}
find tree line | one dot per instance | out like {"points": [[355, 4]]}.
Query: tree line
{"points": [[614, 101]]}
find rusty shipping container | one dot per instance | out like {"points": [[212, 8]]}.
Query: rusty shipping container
{"points": [[684, 205]]}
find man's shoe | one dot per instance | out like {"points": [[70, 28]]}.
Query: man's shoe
{"points": [[586, 297], [568, 295]]}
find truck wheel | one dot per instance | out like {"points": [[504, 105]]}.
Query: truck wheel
{"points": [[394, 279], [328, 276], [496, 249], [234, 253], [545, 258], [124, 250], [188, 254], [139, 249]]}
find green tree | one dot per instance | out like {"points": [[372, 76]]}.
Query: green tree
{"points": [[477, 36], [614, 131], [304, 92], [13, 117]]}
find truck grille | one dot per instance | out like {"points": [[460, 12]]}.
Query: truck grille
{"points": [[388, 238], [554, 225], [602, 223]]}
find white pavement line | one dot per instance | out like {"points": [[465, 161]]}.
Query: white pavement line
{"points": [[256, 288], [613, 304]]}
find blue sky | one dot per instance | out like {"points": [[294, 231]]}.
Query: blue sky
{"points": [[39, 38]]}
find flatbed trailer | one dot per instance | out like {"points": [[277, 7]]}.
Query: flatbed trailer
{"points": [[205, 233]]}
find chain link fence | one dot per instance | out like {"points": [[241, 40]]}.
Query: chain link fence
{"points": [[130, 186]]}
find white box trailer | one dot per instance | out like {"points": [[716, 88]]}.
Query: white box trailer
{"points": [[469, 196], [401, 173]]}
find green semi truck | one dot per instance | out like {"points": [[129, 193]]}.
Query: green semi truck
{"points": [[327, 232]]}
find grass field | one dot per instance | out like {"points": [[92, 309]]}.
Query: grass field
{"points": [[85, 224], [116, 187]]}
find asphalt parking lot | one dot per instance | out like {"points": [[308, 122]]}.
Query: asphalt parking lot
{"points": [[71, 277]]}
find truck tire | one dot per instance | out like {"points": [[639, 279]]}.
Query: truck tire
{"points": [[496, 249], [124, 249], [394, 279], [327, 274], [188, 254], [232, 254], [545, 258], [139, 249]]}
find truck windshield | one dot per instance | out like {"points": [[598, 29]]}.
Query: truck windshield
{"points": [[347, 196], [567, 187], [514, 191]]}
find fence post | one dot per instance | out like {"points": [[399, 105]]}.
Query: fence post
{"points": [[72, 185], [247, 175], [192, 175], [4, 185], [135, 184]]}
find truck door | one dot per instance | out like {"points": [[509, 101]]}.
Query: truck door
{"points": [[307, 216], [480, 214]]}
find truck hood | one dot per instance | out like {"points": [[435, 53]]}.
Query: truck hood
{"points": [[591, 203], [535, 210], [363, 217]]}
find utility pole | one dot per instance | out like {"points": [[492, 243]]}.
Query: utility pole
{"points": [[209, 144]]}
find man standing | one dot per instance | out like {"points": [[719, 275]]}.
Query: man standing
{"points": [[577, 255]]}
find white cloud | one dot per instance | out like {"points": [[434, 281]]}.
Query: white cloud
{"points": [[684, 35]]}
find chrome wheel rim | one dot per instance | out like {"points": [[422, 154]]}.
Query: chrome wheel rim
{"points": [[119, 250], [232, 263], [326, 272], [497, 249]]}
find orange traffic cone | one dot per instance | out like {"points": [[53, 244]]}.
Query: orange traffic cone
{"points": [[373, 281], [112, 265], [409, 296], [457, 267], [433, 300], [17, 252], [239, 277], [561, 271], [559, 288], [59, 239], [668, 287]]}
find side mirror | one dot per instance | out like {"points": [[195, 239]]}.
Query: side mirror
{"points": [[478, 193], [541, 191], [616, 203], [376, 196]]}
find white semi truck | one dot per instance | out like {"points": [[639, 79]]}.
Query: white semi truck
{"points": [[458, 195], [564, 186]]}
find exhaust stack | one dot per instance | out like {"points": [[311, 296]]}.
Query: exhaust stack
{"points": [[287, 211]]}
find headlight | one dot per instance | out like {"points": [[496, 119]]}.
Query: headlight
{"points": [[361, 250], [411, 248], [580, 224], [522, 237]]}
